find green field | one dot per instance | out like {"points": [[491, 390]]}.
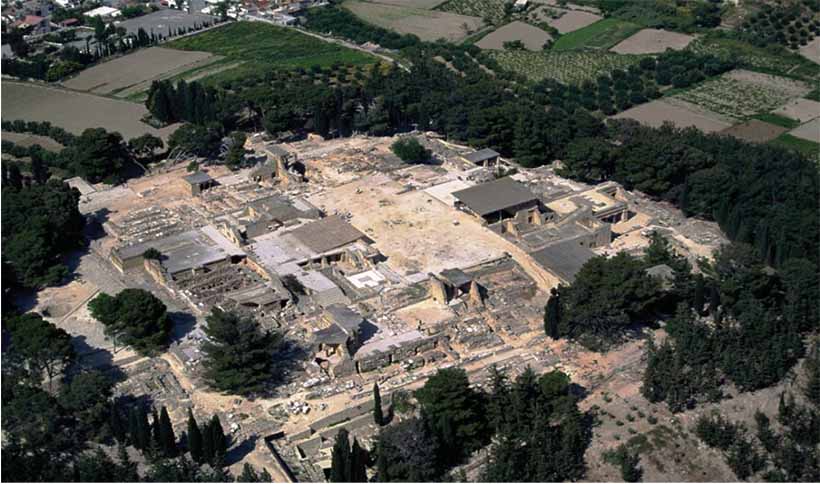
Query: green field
{"points": [[570, 67], [808, 148], [603, 34], [261, 46], [778, 120]]}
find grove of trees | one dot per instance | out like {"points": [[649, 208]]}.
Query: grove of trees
{"points": [[134, 317]]}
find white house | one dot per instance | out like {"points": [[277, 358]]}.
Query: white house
{"points": [[103, 12]]}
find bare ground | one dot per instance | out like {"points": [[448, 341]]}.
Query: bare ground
{"points": [[680, 114], [652, 41]]}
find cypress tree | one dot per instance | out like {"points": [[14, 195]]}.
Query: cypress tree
{"points": [[358, 463], [133, 427], [143, 431], [207, 443], [378, 416], [155, 429], [167, 438], [194, 438], [218, 441], [698, 301], [118, 429], [340, 463], [552, 316]]}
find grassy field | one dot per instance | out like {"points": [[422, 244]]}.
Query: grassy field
{"points": [[600, 35], [778, 120], [492, 10], [261, 46], [571, 67], [808, 148]]}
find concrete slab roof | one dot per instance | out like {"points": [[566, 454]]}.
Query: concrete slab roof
{"points": [[496, 195], [481, 155], [327, 234], [344, 317], [564, 259], [456, 277], [197, 178]]}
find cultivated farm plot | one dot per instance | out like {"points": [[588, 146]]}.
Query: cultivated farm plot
{"points": [[680, 114], [259, 46], [811, 51], [492, 10], [740, 94], [425, 4], [139, 67], [652, 41], [800, 109], [755, 131], [603, 34], [27, 139], [574, 20], [429, 25], [76, 111], [808, 131], [533, 38], [756, 57], [571, 67]]}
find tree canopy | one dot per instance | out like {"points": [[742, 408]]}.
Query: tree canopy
{"points": [[238, 354], [133, 317]]}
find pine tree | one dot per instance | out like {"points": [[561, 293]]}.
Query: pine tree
{"points": [[699, 296], [167, 438], [194, 438], [340, 463], [358, 463], [378, 416]]}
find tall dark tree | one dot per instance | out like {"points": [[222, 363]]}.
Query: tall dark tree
{"points": [[167, 438], [340, 458], [238, 355], [358, 462], [552, 315], [133, 317], [219, 442], [378, 416], [45, 347], [195, 439]]}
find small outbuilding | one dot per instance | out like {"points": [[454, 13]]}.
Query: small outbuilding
{"points": [[199, 182], [498, 200], [485, 157]]}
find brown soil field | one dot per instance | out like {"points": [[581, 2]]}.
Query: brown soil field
{"points": [[429, 25], [141, 66], [800, 109], [755, 131], [652, 41], [424, 4], [811, 51], [75, 111], [809, 131], [574, 20], [25, 140], [532, 37], [655, 113]]}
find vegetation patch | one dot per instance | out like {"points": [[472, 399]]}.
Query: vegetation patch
{"points": [[777, 120], [741, 97], [267, 47], [492, 11], [770, 60], [600, 35], [571, 67], [806, 147]]}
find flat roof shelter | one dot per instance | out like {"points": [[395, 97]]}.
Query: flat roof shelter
{"points": [[496, 200], [327, 234], [484, 157], [199, 182], [563, 259]]}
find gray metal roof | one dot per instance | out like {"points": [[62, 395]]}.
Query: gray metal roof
{"points": [[494, 196], [197, 178], [481, 155], [563, 259], [327, 234], [276, 150]]}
